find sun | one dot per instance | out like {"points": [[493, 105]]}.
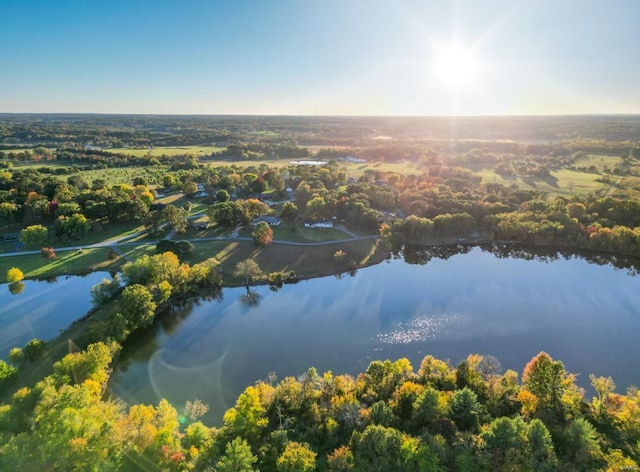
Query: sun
{"points": [[456, 67]]}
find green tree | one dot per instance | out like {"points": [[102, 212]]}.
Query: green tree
{"points": [[547, 380], [34, 236], [190, 188], [7, 373], [225, 213], [315, 208], [378, 450], [75, 226], [7, 211], [237, 457], [296, 457], [248, 269], [14, 275], [465, 409], [247, 418], [34, 350], [222, 196], [289, 212], [262, 234], [137, 305]]}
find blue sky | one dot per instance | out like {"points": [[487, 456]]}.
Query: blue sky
{"points": [[330, 57]]}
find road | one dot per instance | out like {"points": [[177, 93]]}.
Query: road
{"points": [[118, 242]]}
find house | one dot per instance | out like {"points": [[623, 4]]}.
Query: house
{"points": [[201, 194], [157, 206], [10, 237], [200, 225], [270, 220], [318, 224]]}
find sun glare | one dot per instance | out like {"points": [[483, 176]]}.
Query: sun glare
{"points": [[456, 67]]}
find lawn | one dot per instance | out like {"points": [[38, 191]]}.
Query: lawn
{"points": [[66, 262], [305, 261]]}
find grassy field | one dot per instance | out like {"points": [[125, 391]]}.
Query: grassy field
{"points": [[70, 262], [305, 261], [167, 151]]}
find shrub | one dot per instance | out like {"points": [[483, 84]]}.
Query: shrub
{"points": [[48, 253], [14, 275]]}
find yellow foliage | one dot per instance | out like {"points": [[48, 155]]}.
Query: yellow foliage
{"points": [[14, 275], [529, 402]]}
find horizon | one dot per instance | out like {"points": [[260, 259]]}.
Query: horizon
{"points": [[330, 58]]}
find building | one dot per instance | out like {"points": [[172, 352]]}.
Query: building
{"points": [[270, 220], [318, 224]]}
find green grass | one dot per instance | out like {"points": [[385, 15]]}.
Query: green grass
{"points": [[167, 151], [299, 233], [68, 262], [561, 182], [109, 231], [305, 261]]}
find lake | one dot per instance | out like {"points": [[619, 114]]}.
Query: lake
{"points": [[585, 314], [43, 308]]}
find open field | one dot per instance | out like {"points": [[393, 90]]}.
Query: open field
{"points": [[166, 151], [305, 261], [68, 262]]}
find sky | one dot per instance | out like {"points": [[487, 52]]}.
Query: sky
{"points": [[330, 57]]}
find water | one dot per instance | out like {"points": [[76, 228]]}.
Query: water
{"points": [[586, 315], [43, 308]]}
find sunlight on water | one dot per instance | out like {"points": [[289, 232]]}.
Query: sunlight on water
{"points": [[421, 328]]}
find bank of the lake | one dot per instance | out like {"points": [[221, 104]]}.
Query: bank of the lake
{"points": [[442, 303]]}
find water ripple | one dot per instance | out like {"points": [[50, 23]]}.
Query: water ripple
{"points": [[420, 328]]}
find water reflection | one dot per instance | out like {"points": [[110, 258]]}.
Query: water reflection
{"points": [[505, 301], [16, 288]]}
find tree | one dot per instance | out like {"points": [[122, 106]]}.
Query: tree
{"points": [[48, 253], [137, 305], [225, 213], [546, 379], [296, 457], [14, 275], [34, 350], [465, 409], [34, 236], [315, 207], [251, 209], [222, 196], [248, 269], [289, 212], [189, 188], [262, 234], [7, 373], [7, 210], [75, 226], [237, 457]]}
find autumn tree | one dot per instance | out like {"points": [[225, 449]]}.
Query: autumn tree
{"points": [[262, 234], [14, 275], [296, 457]]}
